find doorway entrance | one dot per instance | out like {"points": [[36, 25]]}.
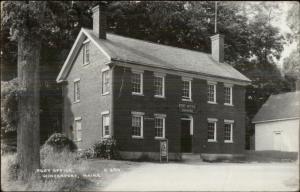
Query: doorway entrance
{"points": [[186, 135]]}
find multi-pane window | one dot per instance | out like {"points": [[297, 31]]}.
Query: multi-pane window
{"points": [[186, 90], [228, 126], [76, 91], [212, 130], [228, 95], [159, 125], [159, 86], [86, 53], [137, 83], [105, 125], [105, 81], [137, 124], [211, 93], [77, 130]]}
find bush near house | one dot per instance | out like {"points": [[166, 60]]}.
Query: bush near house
{"points": [[104, 149], [60, 142]]}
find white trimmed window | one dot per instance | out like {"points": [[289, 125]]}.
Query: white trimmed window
{"points": [[228, 131], [137, 82], [76, 90], [106, 125], [211, 92], [137, 124], [86, 53], [105, 81], [228, 94], [212, 130], [159, 126], [77, 130], [186, 89], [159, 85]]}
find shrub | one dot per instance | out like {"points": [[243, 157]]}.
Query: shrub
{"points": [[106, 148], [60, 142], [7, 148]]}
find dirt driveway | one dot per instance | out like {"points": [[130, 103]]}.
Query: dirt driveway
{"points": [[208, 177]]}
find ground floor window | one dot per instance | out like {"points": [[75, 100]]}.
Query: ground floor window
{"points": [[159, 125], [137, 124], [212, 130], [228, 126], [106, 125], [77, 130]]}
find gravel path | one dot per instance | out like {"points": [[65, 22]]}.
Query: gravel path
{"points": [[209, 177]]}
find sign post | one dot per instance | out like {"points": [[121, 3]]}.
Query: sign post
{"points": [[164, 150]]}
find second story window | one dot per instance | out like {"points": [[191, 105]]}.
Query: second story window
{"points": [[211, 92], [159, 85], [186, 89], [86, 53], [77, 90], [137, 82], [105, 81], [228, 94]]}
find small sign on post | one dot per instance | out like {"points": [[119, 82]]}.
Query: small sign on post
{"points": [[164, 150]]}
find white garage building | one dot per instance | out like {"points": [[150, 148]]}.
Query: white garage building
{"points": [[277, 123]]}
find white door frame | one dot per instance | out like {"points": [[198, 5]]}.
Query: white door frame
{"points": [[190, 118]]}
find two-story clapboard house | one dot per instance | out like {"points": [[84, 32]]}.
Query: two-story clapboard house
{"points": [[140, 92]]}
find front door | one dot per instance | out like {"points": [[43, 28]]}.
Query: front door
{"points": [[186, 138]]}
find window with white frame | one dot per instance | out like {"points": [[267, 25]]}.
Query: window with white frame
{"points": [[228, 131], [86, 53], [106, 125], [77, 130], [159, 85], [228, 94], [186, 89], [77, 90], [212, 130], [137, 82], [105, 81], [159, 125], [137, 124], [211, 92]]}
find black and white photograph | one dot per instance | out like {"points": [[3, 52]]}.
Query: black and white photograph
{"points": [[150, 95]]}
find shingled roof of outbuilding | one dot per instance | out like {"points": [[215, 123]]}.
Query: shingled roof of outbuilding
{"points": [[279, 107], [162, 56]]}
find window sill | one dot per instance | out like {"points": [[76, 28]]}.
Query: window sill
{"points": [[137, 137], [210, 102], [159, 96], [106, 93], [76, 102], [228, 141], [227, 104], [137, 94], [159, 138], [189, 100], [106, 137], [212, 141]]}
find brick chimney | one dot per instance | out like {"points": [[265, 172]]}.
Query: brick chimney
{"points": [[99, 21], [217, 47]]}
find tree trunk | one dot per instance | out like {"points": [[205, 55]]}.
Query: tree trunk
{"points": [[28, 131]]}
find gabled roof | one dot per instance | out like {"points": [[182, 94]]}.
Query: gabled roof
{"points": [[279, 107], [155, 55]]}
